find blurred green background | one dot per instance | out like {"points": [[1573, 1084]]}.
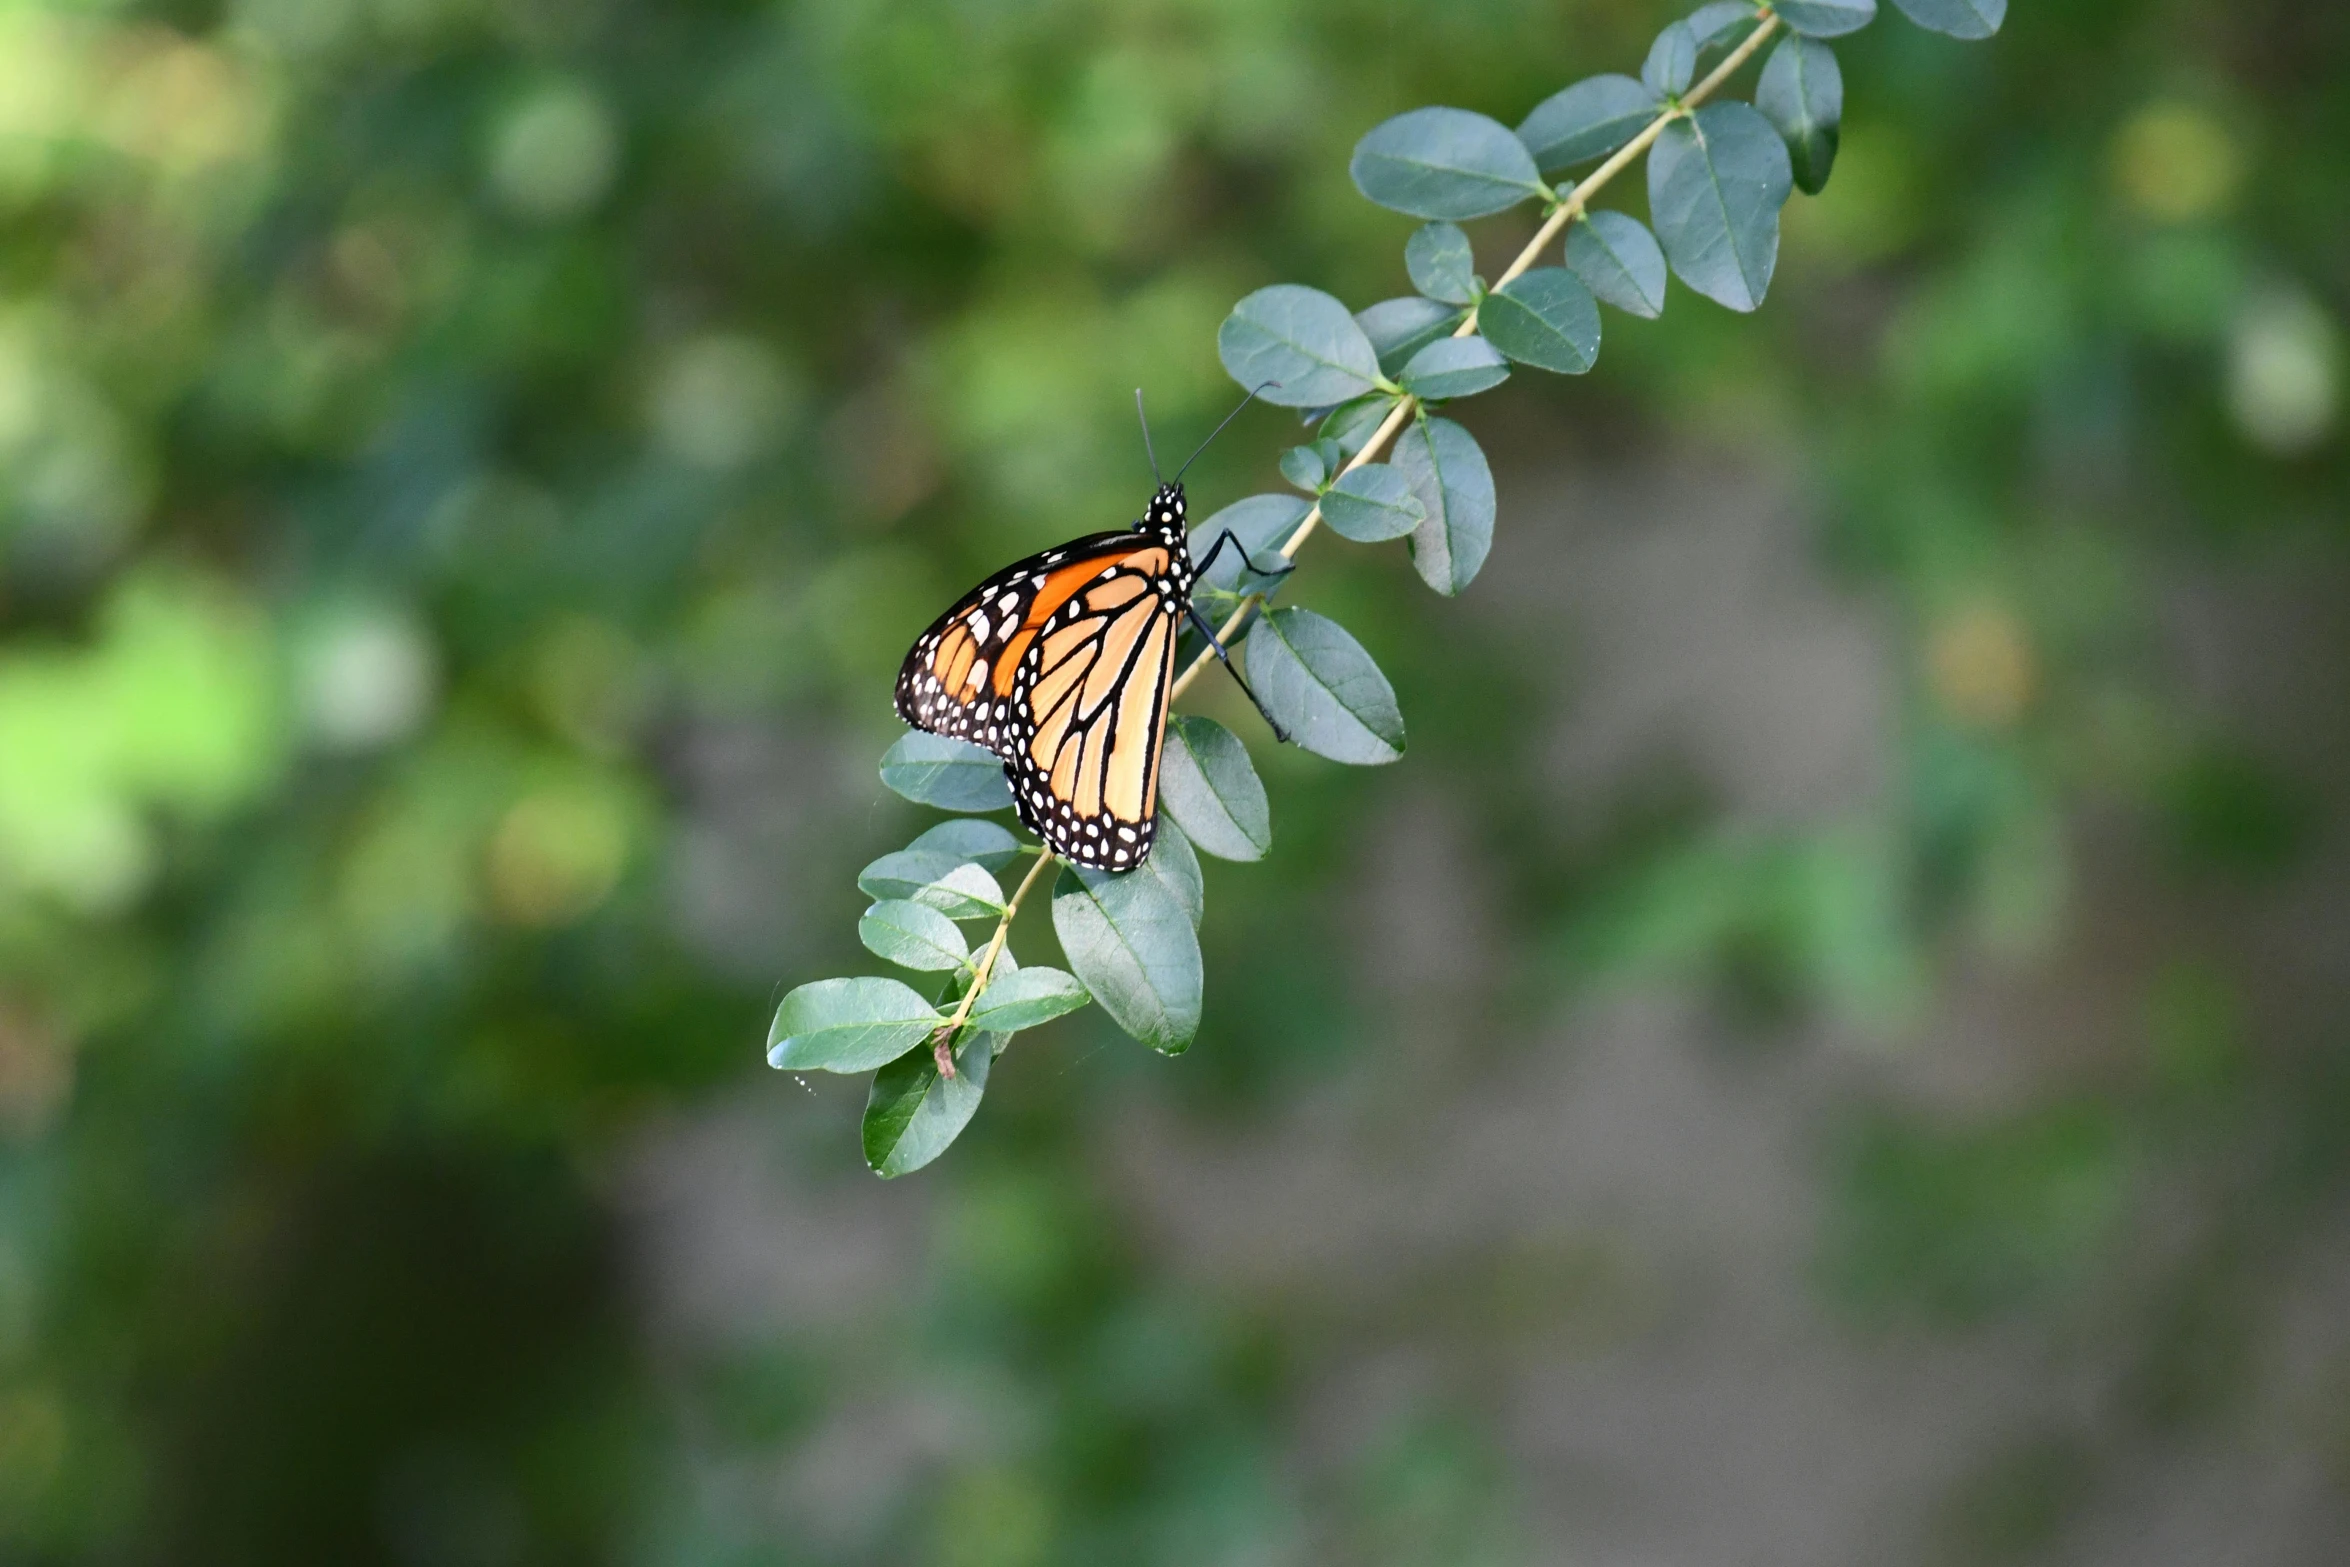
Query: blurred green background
{"points": [[1830, 1049]]}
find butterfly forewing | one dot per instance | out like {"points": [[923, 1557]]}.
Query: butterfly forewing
{"points": [[1061, 665]]}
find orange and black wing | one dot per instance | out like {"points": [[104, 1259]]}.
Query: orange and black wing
{"points": [[1061, 665]]}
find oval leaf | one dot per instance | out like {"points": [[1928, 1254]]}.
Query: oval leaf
{"points": [[1544, 318], [912, 936], [1025, 999], [1209, 787], [990, 844], [1444, 163], [1323, 687], [1351, 425], [1400, 328], [1372, 504], [1716, 181], [1302, 466], [848, 1025], [912, 1113], [967, 892], [1301, 339], [1672, 62], [1720, 23], [904, 873], [1454, 367], [1826, 18], [1587, 121], [1957, 18], [953, 775], [1619, 260], [1449, 475], [1802, 93], [1441, 264], [1175, 863], [1259, 525], [1132, 945]]}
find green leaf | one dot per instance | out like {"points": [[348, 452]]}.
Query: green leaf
{"points": [[1671, 63], [1716, 182], [912, 936], [1441, 264], [1302, 340], [1324, 688], [1261, 524], [1174, 863], [1720, 23], [1132, 945], [1587, 121], [904, 873], [989, 844], [967, 892], [1956, 18], [1332, 454], [912, 1113], [1350, 425], [848, 1025], [1544, 318], [1618, 259], [1302, 466], [1444, 163], [1454, 367], [1372, 504], [1024, 999], [1802, 93], [1400, 328], [1449, 475], [1208, 785], [1826, 18], [953, 775]]}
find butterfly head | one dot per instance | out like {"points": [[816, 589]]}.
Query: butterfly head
{"points": [[1165, 515]]}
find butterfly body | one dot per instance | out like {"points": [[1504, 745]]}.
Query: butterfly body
{"points": [[1061, 664]]}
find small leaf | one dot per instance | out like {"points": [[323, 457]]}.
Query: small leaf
{"points": [[1587, 121], [906, 872], [1720, 23], [1802, 93], [968, 839], [1454, 367], [1301, 339], [1333, 456], [1956, 18], [848, 1025], [965, 893], [1174, 862], [1444, 163], [1441, 264], [1544, 318], [1372, 504], [1132, 945], [1012, 1002], [1826, 18], [1449, 474], [1672, 62], [1618, 259], [1259, 525], [953, 775], [912, 1113], [1324, 688], [1716, 182], [1351, 425], [1302, 466], [912, 936], [1400, 328], [1208, 786]]}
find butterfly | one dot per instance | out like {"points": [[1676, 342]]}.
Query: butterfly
{"points": [[1063, 665]]}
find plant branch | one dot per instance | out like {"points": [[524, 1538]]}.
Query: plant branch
{"points": [[942, 1042], [1564, 214]]}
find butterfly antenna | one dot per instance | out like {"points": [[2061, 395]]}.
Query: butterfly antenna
{"points": [[1219, 430], [1146, 438]]}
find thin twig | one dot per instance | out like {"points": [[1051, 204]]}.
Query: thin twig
{"points": [[942, 1042], [1565, 213]]}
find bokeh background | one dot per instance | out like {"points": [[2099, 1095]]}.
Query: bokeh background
{"points": [[1829, 1050]]}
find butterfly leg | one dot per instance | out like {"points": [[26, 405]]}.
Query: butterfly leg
{"points": [[1233, 539], [1209, 632]]}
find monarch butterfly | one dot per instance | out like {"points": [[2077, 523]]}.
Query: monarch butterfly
{"points": [[1062, 664]]}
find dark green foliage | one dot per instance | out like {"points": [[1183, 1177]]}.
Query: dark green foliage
{"points": [[912, 1112], [1372, 504], [1441, 264], [1400, 328], [953, 775], [1447, 471], [1802, 93], [1958, 18], [1587, 121], [1210, 788], [1454, 367], [1672, 62], [1131, 941], [1827, 18], [848, 1025], [1299, 345], [1544, 318], [1716, 182], [1444, 163], [1324, 689], [1619, 260]]}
